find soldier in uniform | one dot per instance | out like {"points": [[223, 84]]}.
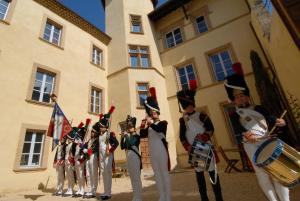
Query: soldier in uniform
{"points": [[70, 162], [91, 150], [80, 158], [130, 141], [156, 131], [107, 145], [252, 122], [197, 125], [59, 164]]}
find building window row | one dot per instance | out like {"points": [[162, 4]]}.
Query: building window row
{"points": [[220, 62], [174, 36]]}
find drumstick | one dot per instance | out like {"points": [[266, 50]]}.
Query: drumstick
{"points": [[274, 127]]}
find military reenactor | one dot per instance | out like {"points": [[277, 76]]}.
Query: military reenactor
{"points": [[253, 123], [130, 142], [59, 164], [156, 131], [198, 126], [107, 145]]}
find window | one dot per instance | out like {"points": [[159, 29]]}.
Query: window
{"points": [[97, 56], [32, 149], [173, 38], [43, 86], [201, 24], [52, 33], [142, 91], [4, 7], [185, 74], [222, 64], [136, 24], [139, 56], [96, 101]]}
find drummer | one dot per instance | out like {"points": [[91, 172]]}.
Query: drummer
{"points": [[197, 125], [253, 122]]}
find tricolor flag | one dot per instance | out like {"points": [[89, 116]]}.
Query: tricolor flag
{"points": [[59, 126]]}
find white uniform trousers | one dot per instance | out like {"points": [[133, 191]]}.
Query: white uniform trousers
{"points": [[133, 166], [105, 164], [79, 167], [60, 178], [271, 188], [69, 168], [92, 174], [159, 161]]}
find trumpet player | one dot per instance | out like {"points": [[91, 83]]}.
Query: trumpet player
{"points": [[130, 141], [253, 122], [107, 145], [156, 131]]}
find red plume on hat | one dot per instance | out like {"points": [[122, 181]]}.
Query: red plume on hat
{"points": [[193, 84], [112, 109], [237, 68], [101, 116], [152, 92], [87, 122], [80, 125]]}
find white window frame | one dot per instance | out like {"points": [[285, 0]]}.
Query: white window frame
{"points": [[139, 54], [205, 21], [173, 37], [7, 9], [97, 56], [136, 19], [222, 63], [93, 105], [31, 152], [43, 85], [185, 74], [52, 32]]}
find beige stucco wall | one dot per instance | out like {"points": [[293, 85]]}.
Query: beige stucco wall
{"points": [[20, 48], [281, 51]]}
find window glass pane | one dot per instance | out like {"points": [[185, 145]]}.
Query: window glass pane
{"points": [[46, 98], [191, 76], [26, 147], [35, 159], [4, 3], [24, 159], [220, 76], [144, 61], [136, 28], [133, 49], [55, 41], [218, 67], [143, 50], [181, 71], [215, 58], [35, 95], [37, 85], [183, 80], [178, 38], [227, 64], [49, 79], [224, 55], [201, 24], [37, 148], [170, 40], [39, 137], [189, 69], [143, 87], [28, 136], [39, 76], [142, 98], [177, 31], [1, 16], [133, 61]]}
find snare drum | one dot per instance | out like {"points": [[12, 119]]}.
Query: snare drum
{"points": [[280, 160], [201, 154]]}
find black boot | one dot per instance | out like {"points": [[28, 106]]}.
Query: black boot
{"points": [[216, 187], [202, 185]]}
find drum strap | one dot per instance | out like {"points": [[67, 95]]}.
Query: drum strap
{"points": [[216, 172]]}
